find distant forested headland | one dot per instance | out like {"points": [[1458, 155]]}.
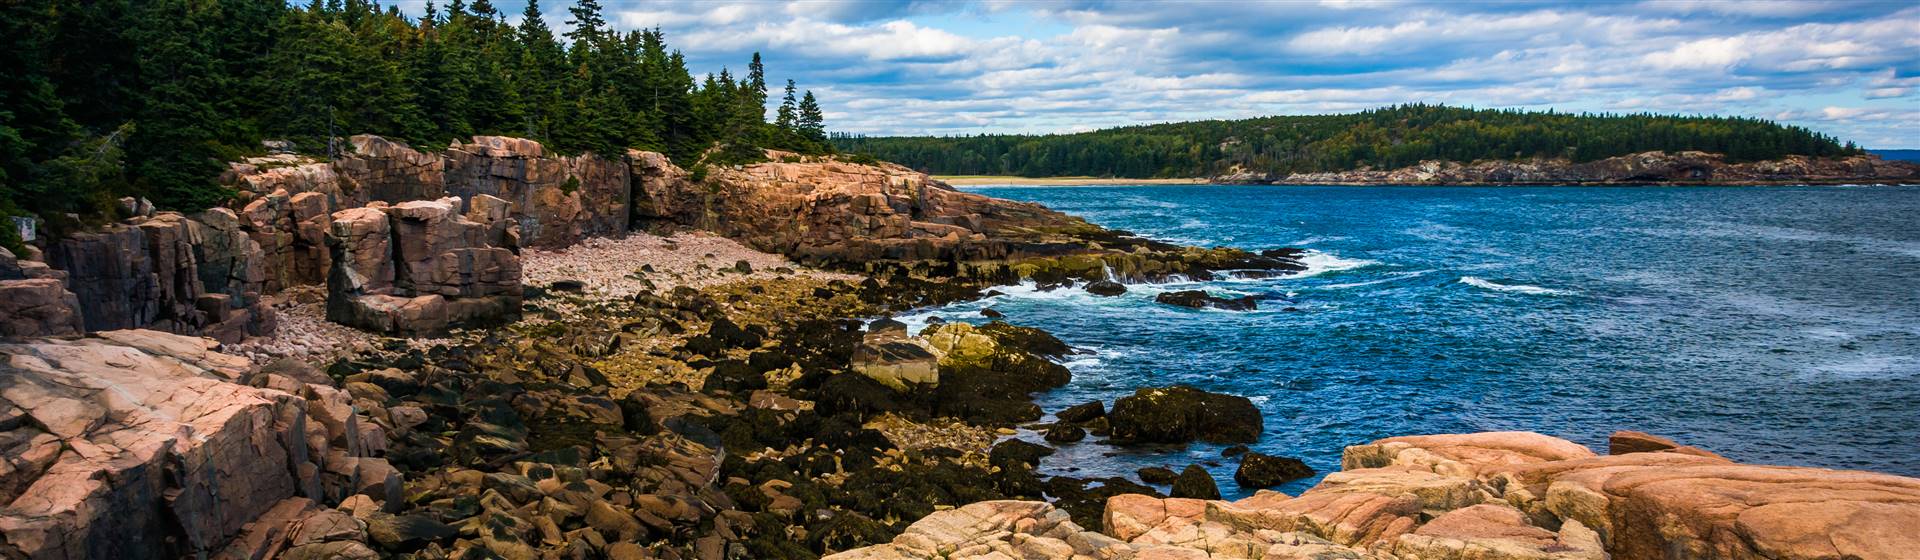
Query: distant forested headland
{"points": [[1382, 139], [112, 98]]}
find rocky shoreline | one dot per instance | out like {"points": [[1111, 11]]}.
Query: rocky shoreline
{"points": [[689, 396], [1646, 168]]}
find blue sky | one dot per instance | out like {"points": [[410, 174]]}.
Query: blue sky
{"points": [[1848, 68]]}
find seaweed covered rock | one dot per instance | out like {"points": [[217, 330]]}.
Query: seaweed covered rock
{"points": [[1259, 470], [988, 372], [1181, 414], [1199, 299], [1195, 482]]}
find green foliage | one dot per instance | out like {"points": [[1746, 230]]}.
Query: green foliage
{"points": [[1383, 138], [111, 98]]}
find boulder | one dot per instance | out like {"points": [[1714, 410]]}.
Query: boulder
{"points": [[1106, 288], [1196, 483], [1181, 414], [420, 268], [898, 364], [1199, 299], [1084, 412], [1259, 470], [34, 300]]}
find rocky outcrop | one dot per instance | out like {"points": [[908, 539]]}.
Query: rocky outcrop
{"points": [[558, 200], [190, 275], [836, 213], [143, 444], [1641, 168], [421, 267], [1492, 496], [1182, 414], [34, 300], [997, 529]]}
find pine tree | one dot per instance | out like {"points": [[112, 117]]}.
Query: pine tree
{"points": [[173, 151], [789, 111], [811, 124], [588, 24]]}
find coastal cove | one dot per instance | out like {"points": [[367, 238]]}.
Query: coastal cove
{"points": [[1769, 323]]}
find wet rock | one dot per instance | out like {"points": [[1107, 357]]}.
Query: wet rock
{"points": [[1107, 288], [1200, 299], [1181, 414], [990, 313], [1157, 475], [1234, 450], [1082, 412], [1259, 470], [1065, 433], [1194, 482], [1017, 452]]}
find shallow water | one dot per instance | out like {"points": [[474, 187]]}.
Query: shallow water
{"points": [[1774, 324]]}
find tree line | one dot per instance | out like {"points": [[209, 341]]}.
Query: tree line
{"points": [[1385, 138], [110, 98]]}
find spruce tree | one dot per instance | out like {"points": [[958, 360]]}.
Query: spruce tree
{"points": [[789, 111], [811, 124], [174, 149]]}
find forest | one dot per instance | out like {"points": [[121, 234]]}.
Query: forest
{"points": [[1383, 138], [111, 98]]}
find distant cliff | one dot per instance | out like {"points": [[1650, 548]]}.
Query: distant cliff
{"points": [[1640, 168]]}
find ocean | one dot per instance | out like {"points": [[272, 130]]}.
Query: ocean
{"points": [[1774, 325]]}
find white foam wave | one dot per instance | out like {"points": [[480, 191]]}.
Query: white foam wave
{"points": [[1389, 278], [1321, 262], [1518, 288]]}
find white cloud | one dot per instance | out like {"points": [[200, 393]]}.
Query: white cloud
{"points": [[1006, 65]]}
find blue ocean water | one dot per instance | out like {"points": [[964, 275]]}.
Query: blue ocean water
{"points": [[1773, 324]]}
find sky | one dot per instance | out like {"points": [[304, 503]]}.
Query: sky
{"points": [[1846, 68]]}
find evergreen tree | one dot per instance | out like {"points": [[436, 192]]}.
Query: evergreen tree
{"points": [[174, 151], [789, 112], [588, 24], [811, 124]]}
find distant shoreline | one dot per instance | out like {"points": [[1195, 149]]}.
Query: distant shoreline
{"points": [[975, 180]]}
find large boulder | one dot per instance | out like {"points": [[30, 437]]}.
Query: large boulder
{"points": [[34, 300], [1199, 299], [1181, 414], [1259, 470], [421, 267]]}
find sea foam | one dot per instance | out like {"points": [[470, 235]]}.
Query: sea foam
{"points": [[1518, 288]]}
